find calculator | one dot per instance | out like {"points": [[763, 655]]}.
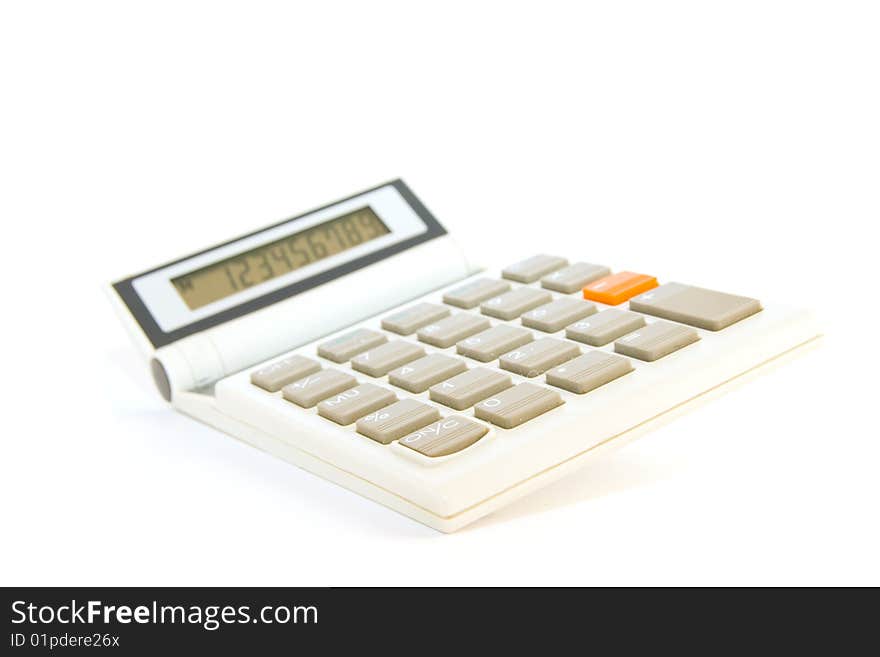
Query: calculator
{"points": [[443, 391]]}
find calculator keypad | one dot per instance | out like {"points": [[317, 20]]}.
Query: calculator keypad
{"points": [[386, 357], [421, 374], [310, 390], [516, 405], [385, 415], [656, 341], [349, 405], [397, 420]]}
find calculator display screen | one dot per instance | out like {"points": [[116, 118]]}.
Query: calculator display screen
{"points": [[226, 277]]}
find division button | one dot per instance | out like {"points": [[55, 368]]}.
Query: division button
{"points": [[697, 306], [574, 277], [656, 341]]}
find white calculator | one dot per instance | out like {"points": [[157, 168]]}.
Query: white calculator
{"points": [[443, 392]]}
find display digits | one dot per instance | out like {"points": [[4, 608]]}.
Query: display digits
{"points": [[269, 261]]}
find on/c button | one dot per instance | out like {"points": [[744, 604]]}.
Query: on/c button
{"points": [[619, 287]]}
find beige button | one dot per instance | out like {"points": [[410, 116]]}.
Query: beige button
{"points": [[397, 420], [603, 327], [445, 437], [469, 387], [574, 277], [539, 356], [490, 344], [655, 341], [511, 305], [447, 332], [420, 374], [558, 314], [413, 318], [531, 269], [588, 372], [696, 306], [470, 294], [349, 405], [277, 375], [310, 390], [346, 346], [386, 357], [517, 405]]}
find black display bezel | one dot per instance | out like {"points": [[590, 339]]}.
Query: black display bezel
{"points": [[159, 338]]}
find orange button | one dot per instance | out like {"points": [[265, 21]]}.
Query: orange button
{"points": [[619, 287]]}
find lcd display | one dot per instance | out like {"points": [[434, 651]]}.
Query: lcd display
{"points": [[222, 279]]}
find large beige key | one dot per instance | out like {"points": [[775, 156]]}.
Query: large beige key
{"points": [[531, 269], [386, 357], [277, 375], [588, 372], [470, 294], [558, 314], [310, 390], [467, 388], [490, 344], [517, 405], [444, 437], [697, 306], [539, 356], [447, 332], [574, 277], [603, 327], [397, 420], [349, 405], [413, 318], [511, 305], [656, 341], [421, 374], [349, 345]]}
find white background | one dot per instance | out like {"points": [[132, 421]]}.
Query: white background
{"points": [[733, 145]]}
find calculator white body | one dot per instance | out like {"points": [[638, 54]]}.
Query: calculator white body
{"points": [[451, 491]]}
